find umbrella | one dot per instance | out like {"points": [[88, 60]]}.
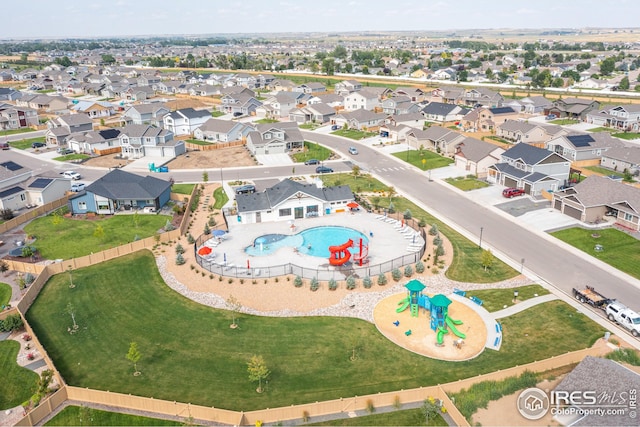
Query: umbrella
{"points": [[353, 205], [225, 257], [218, 233], [205, 250]]}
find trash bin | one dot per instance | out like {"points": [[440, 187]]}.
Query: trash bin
{"points": [[607, 335], [327, 211]]}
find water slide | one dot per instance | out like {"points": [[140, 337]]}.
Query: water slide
{"points": [[405, 303], [452, 325], [340, 254], [440, 334]]}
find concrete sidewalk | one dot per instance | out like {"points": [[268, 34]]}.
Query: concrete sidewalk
{"points": [[521, 306]]}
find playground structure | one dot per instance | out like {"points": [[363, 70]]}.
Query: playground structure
{"points": [[340, 254], [437, 306], [154, 168]]}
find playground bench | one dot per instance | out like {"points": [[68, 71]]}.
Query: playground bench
{"points": [[459, 292], [476, 300]]}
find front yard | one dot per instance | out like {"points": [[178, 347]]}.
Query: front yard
{"points": [[431, 160], [353, 133], [25, 144], [467, 184], [312, 151]]}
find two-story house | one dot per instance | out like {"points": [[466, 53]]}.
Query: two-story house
{"points": [[529, 132], [139, 141], [185, 121], [239, 104], [17, 117], [486, 119], [482, 96], [346, 87], [584, 146], [572, 108], [623, 117], [278, 105], [274, 138], [61, 127], [530, 168], [145, 114], [475, 156], [311, 87], [362, 99]]}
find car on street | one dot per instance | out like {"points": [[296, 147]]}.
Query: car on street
{"points": [[38, 145], [353, 150], [71, 175], [323, 169], [77, 186], [512, 192], [312, 162]]}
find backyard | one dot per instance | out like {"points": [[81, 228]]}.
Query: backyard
{"points": [[82, 416], [17, 383], [5, 294], [424, 159], [58, 237], [111, 313]]}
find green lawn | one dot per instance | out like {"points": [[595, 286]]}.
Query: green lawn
{"points": [[190, 354], [25, 144], [432, 160], [564, 122], [70, 157], [5, 294], [353, 133], [467, 184], [621, 250], [15, 131], [261, 121], [406, 417], [496, 299], [217, 113], [75, 237], [312, 151], [498, 139], [309, 126], [604, 171], [182, 188], [600, 129], [85, 416], [221, 198], [626, 135], [17, 384], [198, 142]]}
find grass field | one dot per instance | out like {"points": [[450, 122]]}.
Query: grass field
{"points": [[190, 354], [5, 294], [600, 129], [620, 250], [467, 184], [221, 198], [75, 237], [84, 416], [564, 122], [353, 133], [185, 189], [17, 383], [406, 417], [70, 157], [198, 142], [217, 113], [496, 299], [312, 151], [626, 135], [604, 171], [261, 121], [15, 131], [25, 144], [432, 160]]}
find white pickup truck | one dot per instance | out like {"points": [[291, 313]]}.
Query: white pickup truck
{"points": [[625, 317]]}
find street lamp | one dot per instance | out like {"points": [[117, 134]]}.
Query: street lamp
{"points": [[515, 296], [480, 244]]}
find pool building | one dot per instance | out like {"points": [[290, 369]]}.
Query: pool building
{"points": [[289, 200]]}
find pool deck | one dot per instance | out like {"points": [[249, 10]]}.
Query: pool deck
{"points": [[388, 241]]}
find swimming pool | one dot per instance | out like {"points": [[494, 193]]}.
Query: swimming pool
{"points": [[312, 241]]}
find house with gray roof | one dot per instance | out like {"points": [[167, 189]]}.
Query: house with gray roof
{"points": [[290, 200], [359, 119], [584, 146], [12, 117], [139, 141], [9, 94], [529, 132], [442, 112], [622, 159], [19, 189], [185, 121], [435, 138], [145, 114], [311, 87], [312, 113], [622, 117], [447, 95], [475, 156], [61, 127], [239, 104], [94, 141], [346, 87], [597, 196], [361, 99], [482, 96], [218, 130], [530, 168], [274, 138], [572, 108], [120, 190]]}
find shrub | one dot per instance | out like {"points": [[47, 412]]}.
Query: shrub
{"points": [[370, 407], [29, 278], [212, 222], [627, 355], [439, 250], [408, 271], [396, 274], [179, 249], [351, 283], [11, 323], [4, 267], [207, 230], [392, 208], [6, 214], [367, 282], [419, 267], [314, 284], [435, 270], [297, 282], [382, 279], [437, 241], [433, 231], [422, 222], [169, 226], [333, 285], [190, 238], [407, 214], [180, 259]]}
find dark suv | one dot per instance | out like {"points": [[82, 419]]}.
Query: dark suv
{"points": [[512, 192], [38, 145], [323, 169], [312, 162]]}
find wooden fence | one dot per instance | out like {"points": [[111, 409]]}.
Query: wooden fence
{"points": [[33, 213], [213, 146]]}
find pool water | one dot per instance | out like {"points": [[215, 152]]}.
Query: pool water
{"points": [[313, 241]]}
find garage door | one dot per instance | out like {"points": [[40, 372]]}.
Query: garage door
{"points": [[572, 212], [527, 188], [510, 182], [558, 204]]}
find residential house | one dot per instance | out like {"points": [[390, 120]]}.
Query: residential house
{"points": [[362, 99], [290, 200], [331, 99], [475, 156], [397, 133], [94, 109], [535, 104], [584, 146], [590, 200], [185, 121], [399, 105], [622, 117], [311, 87], [346, 87], [122, 191], [148, 80], [239, 104], [314, 113], [139, 141], [435, 138], [17, 117], [415, 94], [412, 120], [9, 94], [447, 95], [61, 127], [43, 102], [217, 130], [19, 189], [205, 90], [94, 141], [482, 96], [530, 168], [145, 114], [280, 85], [360, 119], [274, 138], [529, 132], [444, 74], [421, 73], [486, 119], [278, 105], [443, 112], [135, 93], [572, 108], [622, 159]]}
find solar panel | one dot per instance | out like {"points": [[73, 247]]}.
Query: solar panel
{"points": [[40, 183], [12, 166], [580, 140], [502, 110]]}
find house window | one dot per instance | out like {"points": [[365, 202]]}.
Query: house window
{"points": [[23, 197], [285, 212], [313, 208], [103, 206], [82, 206], [628, 217]]}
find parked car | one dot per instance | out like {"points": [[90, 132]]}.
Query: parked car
{"points": [[4, 146], [246, 189], [77, 186], [71, 175], [323, 169], [353, 150], [312, 162], [38, 145], [512, 192], [64, 151], [625, 317], [335, 127]]}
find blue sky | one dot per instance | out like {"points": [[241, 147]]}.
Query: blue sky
{"points": [[97, 18]]}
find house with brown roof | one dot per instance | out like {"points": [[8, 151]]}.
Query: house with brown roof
{"points": [[486, 119], [572, 108], [475, 156], [529, 132]]}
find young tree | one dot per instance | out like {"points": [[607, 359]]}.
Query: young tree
{"points": [[355, 171], [391, 191], [258, 370], [487, 259], [136, 219], [133, 356], [430, 409], [98, 232], [234, 306], [72, 312], [205, 177]]}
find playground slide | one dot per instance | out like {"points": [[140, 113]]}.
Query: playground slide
{"points": [[405, 303], [340, 255], [452, 325], [342, 247], [440, 335]]}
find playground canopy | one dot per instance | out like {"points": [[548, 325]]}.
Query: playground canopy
{"points": [[416, 286], [440, 300]]}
